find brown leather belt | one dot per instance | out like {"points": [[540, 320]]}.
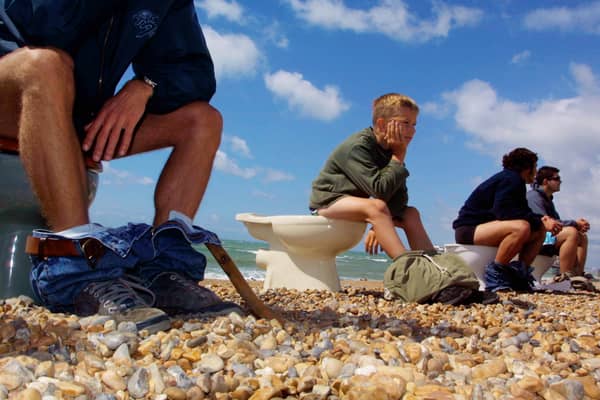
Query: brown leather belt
{"points": [[89, 248]]}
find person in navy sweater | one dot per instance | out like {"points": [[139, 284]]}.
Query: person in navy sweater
{"points": [[497, 214]]}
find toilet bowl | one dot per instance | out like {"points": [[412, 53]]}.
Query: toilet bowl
{"points": [[302, 248], [19, 215], [478, 257]]}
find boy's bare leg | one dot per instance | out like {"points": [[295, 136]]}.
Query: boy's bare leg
{"points": [[373, 211], [510, 237], [36, 101], [194, 132], [417, 236]]}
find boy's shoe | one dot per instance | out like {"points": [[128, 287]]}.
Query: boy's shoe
{"points": [[497, 277], [453, 295], [176, 294], [118, 298]]}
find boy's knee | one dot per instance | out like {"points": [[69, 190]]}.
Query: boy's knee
{"points": [[378, 208], [411, 214]]}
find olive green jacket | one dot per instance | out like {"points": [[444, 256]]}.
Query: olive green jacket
{"points": [[360, 167]]}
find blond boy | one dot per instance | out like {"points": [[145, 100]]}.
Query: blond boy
{"points": [[364, 179]]}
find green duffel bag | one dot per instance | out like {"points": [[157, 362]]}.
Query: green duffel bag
{"points": [[428, 276]]}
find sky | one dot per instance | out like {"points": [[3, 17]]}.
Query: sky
{"points": [[296, 77]]}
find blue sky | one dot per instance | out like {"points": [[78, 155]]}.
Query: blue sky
{"points": [[296, 77]]}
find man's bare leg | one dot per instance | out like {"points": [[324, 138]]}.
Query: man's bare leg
{"points": [[567, 242], [36, 101], [417, 236], [582, 253], [194, 132], [532, 247], [510, 237], [373, 211]]}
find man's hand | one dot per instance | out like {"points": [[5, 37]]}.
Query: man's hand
{"points": [[372, 246], [116, 121], [551, 225], [583, 225]]}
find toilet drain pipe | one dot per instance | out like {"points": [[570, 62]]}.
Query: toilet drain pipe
{"points": [[237, 279]]}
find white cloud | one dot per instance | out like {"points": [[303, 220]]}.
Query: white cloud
{"points": [[234, 55], [302, 95], [520, 57], [225, 164], [584, 17], [113, 176], [262, 195], [389, 17], [221, 8], [565, 133], [239, 146], [272, 175]]}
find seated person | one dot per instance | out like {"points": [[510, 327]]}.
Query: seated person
{"points": [[497, 214], [571, 243], [364, 179]]}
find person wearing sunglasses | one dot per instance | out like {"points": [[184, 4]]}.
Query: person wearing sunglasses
{"points": [[571, 243]]}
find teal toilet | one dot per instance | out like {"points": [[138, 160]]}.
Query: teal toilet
{"points": [[19, 215]]}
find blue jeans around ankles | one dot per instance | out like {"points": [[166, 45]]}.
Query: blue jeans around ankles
{"points": [[132, 249]]}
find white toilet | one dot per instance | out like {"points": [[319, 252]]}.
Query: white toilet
{"points": [[477, 257], [302, 248]]}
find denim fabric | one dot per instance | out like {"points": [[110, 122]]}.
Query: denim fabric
{"points": [[132, 249]]}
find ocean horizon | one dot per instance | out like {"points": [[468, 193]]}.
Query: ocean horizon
{"points": [[351, 265]]}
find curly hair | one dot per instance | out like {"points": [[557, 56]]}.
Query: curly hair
{"points": [[519, 159]]}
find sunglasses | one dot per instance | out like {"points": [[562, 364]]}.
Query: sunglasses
{"points": [[555, 178]]}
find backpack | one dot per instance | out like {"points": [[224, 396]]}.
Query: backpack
{"points": [[428, 276]]}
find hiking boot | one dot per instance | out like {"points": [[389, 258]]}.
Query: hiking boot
{"points": [[117, 298], [176, 295], [522, 280], [497, 277]]}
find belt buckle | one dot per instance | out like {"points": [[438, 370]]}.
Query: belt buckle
{"points": [[92, 250]]}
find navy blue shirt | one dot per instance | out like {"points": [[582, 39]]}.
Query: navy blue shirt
{"points": [[500, 198]]}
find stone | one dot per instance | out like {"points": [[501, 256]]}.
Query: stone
{"points": [[174, 393], [138, 384], [29, 394], [113, 381]]}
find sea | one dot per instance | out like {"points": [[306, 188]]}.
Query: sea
{"points": [[351, 265]]}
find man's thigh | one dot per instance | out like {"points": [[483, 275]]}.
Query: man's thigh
{"points": [[493, 233]]}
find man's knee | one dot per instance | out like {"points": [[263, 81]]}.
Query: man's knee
{"points": [[522, 230], [46, 68], [203, 120]]}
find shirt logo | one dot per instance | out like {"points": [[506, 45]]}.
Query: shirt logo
{"points": [[145, 23]]}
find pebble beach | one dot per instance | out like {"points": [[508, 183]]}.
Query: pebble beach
{"points": [[347, 345]]}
